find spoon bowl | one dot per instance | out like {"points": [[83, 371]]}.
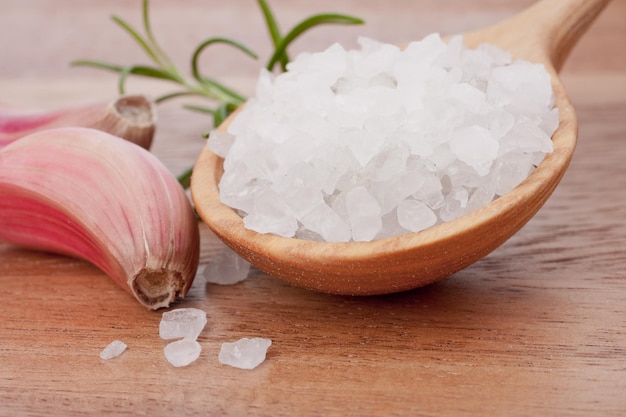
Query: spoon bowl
{"points": [[544, 33]]}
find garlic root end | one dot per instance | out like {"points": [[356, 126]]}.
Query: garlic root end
{"points": [[157, 289]]}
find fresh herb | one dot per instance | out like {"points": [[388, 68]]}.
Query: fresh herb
{"points": [[224, 100]]}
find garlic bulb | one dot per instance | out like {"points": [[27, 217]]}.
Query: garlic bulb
{"points": [[130, 117], [88, 194]]}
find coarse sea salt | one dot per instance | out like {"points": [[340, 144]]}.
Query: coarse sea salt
{"points": [[245, 353], [113, 350], [380, 141], [226, 268], [182, 352], [185, 323]]}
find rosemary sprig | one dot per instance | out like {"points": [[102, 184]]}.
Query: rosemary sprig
{"points": [[280, 47], [224, 99]]}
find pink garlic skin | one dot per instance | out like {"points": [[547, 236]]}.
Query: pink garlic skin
{"points": [[130, 117], [85, 193]]}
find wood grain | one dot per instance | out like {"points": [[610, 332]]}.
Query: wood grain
{"points": [[536, 328]]}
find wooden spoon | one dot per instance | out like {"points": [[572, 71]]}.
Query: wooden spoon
{"points": [[544, 33]]}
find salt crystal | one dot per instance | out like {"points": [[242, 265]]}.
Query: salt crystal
{"points": [[475, 146], [389, 164], [511, 170], [550, 122], [220, 142], [226, 268], [414, 215], [456, 201], [330, 63], [187, 323], [303, 198], [500, 123], [113, 349], [431, 192], [364, 213], [481, 196], [344, 144], [245, 353], [392, 192], [326, 223], [182, 352], [270, 215], [354, 140], [471, 98], [391, 227]]}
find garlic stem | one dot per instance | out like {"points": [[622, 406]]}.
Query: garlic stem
{"points": [[130, 117]]}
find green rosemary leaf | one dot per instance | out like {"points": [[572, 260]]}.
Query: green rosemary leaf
{"points": [[151, 39], [176, 94], [222, 112], [145, 71], [221, 92], [153, 72], [200, 109], [139, 39], [316, 20], [230, 96], [185, 178], [97, 64], [272, 27], [194, 58], [121, 84]]}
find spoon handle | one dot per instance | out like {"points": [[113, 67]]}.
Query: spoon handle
{"points": [[564, 22], [545, 32]]}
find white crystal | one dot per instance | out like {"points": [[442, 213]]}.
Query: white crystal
{"points": [[182, 352], [475, 146], [220, 142], [414, 215], [364, 214], [187, 323], [456, 202], [113, 349], [226, 268], [512, 169], [271, 215], [245, 353], [471, 98], [325, 222]]}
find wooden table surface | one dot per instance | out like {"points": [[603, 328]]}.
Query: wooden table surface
{"points": [[538, 327]]}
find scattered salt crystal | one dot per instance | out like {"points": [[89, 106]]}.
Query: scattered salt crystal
{"points": [[182, 352], [113, 349], [226, 268], [361, 144], [245, 353], [182, 322], [187, 323]]}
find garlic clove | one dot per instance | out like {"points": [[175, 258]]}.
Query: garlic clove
{"points": [[85, 193], [130, 117]]}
